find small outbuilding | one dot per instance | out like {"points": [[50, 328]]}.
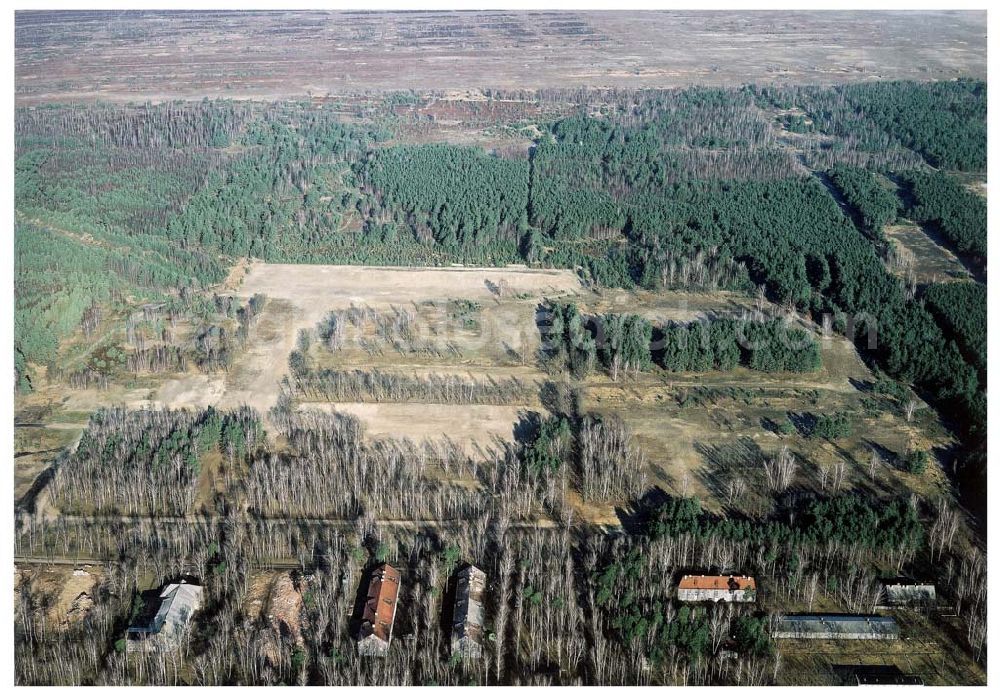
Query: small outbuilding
{"points": [[164, 630], [717, 588], [909, 594], [836, 626], [379, 612], [469, 616]]}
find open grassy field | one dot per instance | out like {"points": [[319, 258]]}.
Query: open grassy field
{"points": [[924, 254], [189, 55]]}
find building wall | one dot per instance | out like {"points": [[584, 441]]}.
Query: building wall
{"points": [[834, 635], [690, 595]]}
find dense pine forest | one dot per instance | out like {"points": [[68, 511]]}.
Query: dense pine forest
{"points": [[148, 200]]}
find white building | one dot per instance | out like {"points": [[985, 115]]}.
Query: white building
{"points": [[469, 616], [165, 630], [717, 588]]}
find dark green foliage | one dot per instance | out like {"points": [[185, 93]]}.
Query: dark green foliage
{"points": [[450, 557], [608, 580], [751, 636], [960, 309], [797, 123], [147, 462], [723, 343], [623, 342], [547, 449], [943, 121], [209, 430], [59, 277], [277, 202], [298, 661], [690, 346], [240, 434], [774, 346], [873, 525], [640, 622], [460, 197], [566, 340], [940, 200], [915, 461], [94, 187], [688, 632], [832, 426], [630, 198], [626, 342], [876, 205], [786, 427]]}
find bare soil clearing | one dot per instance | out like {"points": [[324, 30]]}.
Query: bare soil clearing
{"points": [[700, 431], [68, 588], [299, 296], [275, 602], [475, 428], [337, 286]]}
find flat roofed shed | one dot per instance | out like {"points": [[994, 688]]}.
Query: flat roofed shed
{"points": [[836, 626]]}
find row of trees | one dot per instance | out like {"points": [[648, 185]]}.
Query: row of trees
{"points": [[961, 310], [379, 386], [891, 530], [628, 342], [940, 200], [875, 205], [723, 343]]}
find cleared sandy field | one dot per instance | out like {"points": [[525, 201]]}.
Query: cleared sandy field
{"points": [[337, 286], [475, 428], [299, 296]]}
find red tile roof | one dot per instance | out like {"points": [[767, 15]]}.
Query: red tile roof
{"points": [[717, 582], [380, 607]]}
